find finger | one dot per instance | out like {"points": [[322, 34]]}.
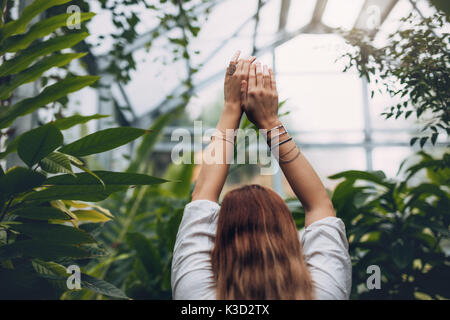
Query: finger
{"points": [[272, 79], [259, 75], [243, 93], [252, 77], [246, 65], [267, 79], [236, 57], [239, 65], [251, 59]]}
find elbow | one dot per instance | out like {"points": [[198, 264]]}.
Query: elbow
{"points": [[323, 205]]}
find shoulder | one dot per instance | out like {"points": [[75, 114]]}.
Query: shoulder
{"points": [[325, 248]]}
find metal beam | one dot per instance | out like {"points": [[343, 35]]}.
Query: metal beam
{"points": [[255, 32], [314, 27], [284, 12], [318, 11]]}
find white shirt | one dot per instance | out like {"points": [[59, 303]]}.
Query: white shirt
{"points": [[325, 249]]}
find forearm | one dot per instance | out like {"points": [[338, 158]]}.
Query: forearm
{"points": [[302, 178], [214, 170]]}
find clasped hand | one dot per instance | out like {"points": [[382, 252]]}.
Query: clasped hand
{"points": [[251, 88]]}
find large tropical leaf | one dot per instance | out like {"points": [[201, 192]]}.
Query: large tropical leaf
{"points": [[40, 213], [20, 25], [38, 143], [78, 192], [49, 94], [46, 250], [102, 141], [34, 72], [376, 176], [26, 57], [39, 30], [54, 233], [69, 122], [18, 179], [108, 177]]}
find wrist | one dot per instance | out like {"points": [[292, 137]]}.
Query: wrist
{"points": [[232, 109], [270, 124]]}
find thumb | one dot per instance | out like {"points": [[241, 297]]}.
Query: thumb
{"points": [[244, 86]]}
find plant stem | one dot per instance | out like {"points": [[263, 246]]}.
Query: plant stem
{"points": [[6, 208]]}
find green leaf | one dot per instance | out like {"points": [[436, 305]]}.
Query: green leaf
{"points": [[39, 30], [54, 233], [18, 179], [26, 57], [402, 253], [101, 287], [148, 142], [80, 192], [102, 141], [181, 174], [376, 176], [10, 147], [38, 143], [146, 252], [34, 72], [69, 122], [91, 173], [48, 95], [42, 250], [49, 268], [40, 213], [31, 11], [56, 162], [108, 177], [53, 272], [91, 216]]}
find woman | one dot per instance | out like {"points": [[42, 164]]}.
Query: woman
{"points": [[249, 248]]}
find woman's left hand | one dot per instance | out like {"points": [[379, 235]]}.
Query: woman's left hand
{"points": [[237, 71]]}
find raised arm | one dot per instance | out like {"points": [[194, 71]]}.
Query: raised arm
{"points": [[216, 158], [262, 109]]}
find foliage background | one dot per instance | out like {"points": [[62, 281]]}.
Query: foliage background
{"points": [[402, 225]]}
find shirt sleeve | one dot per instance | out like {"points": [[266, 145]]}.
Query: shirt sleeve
{"points": [[325, 248], [192, 276]]}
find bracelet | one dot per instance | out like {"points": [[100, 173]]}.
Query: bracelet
{"points": [[281, 143], [278, 135], [284, 155], [277, 127], [290, 160]]}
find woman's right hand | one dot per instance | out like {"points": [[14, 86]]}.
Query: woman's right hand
{"points": [[260, 97]]}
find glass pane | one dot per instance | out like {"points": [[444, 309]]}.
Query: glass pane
{"points": [[300, 14], [342, 14], [322, 102], [268, 23]]}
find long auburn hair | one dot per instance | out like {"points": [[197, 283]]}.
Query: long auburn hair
{"points": [[257, 252]]}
